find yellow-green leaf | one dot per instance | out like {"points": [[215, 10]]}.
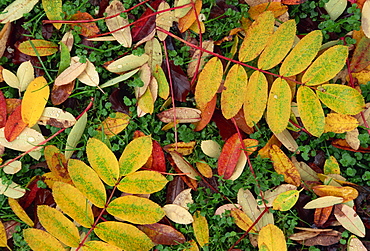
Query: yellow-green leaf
{"points": [[163, 86], [278, 46], [286, 200], [331, 166], [73, 203], [302, 54], [124, 236], [58, 225], [136, 210], [34, 100], [53, 10], [40, 240], [278, 106], [142, 182], [127, 63], [38, 47], [88, 182], [310, 111], [201, 231], [255, 98], [326, 66], [341, 98], [340, 123], [3, 237], [209, 81], [135, 155], [146, 102], [272, 237], [19, 211], [257, 36], [99, 246], [103, 161], [75, 135], [232, 97]]}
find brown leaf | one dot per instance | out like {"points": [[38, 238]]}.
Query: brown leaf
{"points": [[323, 239], [156, 161], [4, 35], [229, 156], [14, 125], [59, 94], [87, 29], [322, 215], [123, 36], [162, 234], [183, 115]]}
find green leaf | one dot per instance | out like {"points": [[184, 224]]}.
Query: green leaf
{"points": [[331, 166], [75, 135], [123, 235], [209, 81], [88, 182], [341, 98], [136, 210], [310, 111], [235, 85], [103, 161], [286, 200], [73, 203], [40, 240], [278, 106], [302, 54], [255, 98], [65, 58], [326, 66], [58, 225], [135, 155], [163, 86], [142, 182], [278, 46], [257, 36]]}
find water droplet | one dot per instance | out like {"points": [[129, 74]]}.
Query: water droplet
{"points": [[275, 96], [31, 139], [119, 66]]}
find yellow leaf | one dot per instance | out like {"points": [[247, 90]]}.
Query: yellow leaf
{"points": [[179, 13], [273, 238], [204, 169], [73, 203], [142, 182], [186, 21], [38, 47], [195, 27], [88, 182], [331, 166], [135, 155], [19, 211], [3, 237], [113, 126], [53, 10], [178, 214], [340, 123], [103, 161], [242, 220], [184, 148], [283, 165], [146, 102], [286, 200], [278, 106], [276, 8], [347, 193], [201, 231], [310, 111], [326, 66], [123, 36], [278, 46], [193, 246], [163, 86], [232, 97], [124, 236], [136, 210], [99, 246], [341, 98], [208, 83], [257, 36], [40, 240], [16, 9], [34, 100], [255, 98], [58, 225], [302, 54]]}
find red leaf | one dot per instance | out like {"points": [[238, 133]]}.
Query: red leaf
{"points": [[229, 156], [87, 29], [162, 234], [2, 110], [361, 56], [158, 162], [116, 99], [180, 82], [225, 126], [14, 125], [175, 186], [146, 25]]}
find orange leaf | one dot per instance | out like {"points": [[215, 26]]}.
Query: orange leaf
{"points": [[207, 114], [181, 147], [14, 125], [229, 156], [347, 193], [2, 110], [186, 21], [57, 163], [283, 165], [322, 215], [276, 7], [87, 29]]}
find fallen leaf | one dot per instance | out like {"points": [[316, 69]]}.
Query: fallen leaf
{"points": [[201, 230], [349, 219], [164, 20], [162, 234], [59, 94], [272, 238], [19, 211], [229, 156], [14, 125], [352, 139], [183, 165], [365, 19], [287, 140], [331, 166], [354, 244], [40, 240], [13, 167], [178, 214], [16, 9], [242, 220], [113, 126], [183, 115], [276, 8], [123, 36], [127, 63], [53, 10], [340, 123], [184, 148], [322, 202], [286, 200], [4, 35], [75, 135], [271, 194], [184, 198], [186, 21], [204, 169], [56, 117], [198, 55], [322, 215], [71, 73], [211, 148], [89, 75], [38, 47], [12, 190], [347, 193], [85, 29]]}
